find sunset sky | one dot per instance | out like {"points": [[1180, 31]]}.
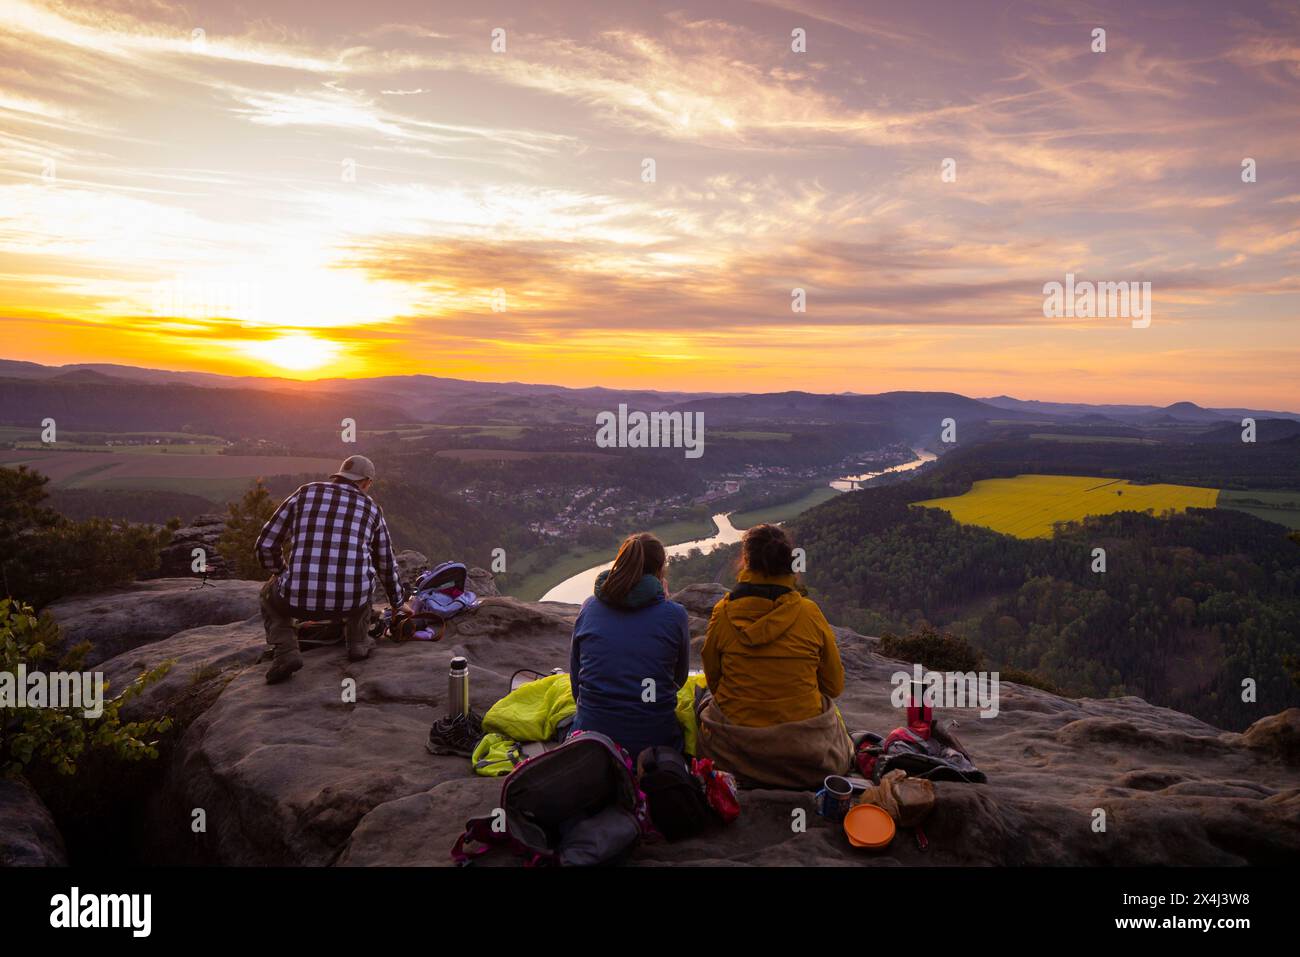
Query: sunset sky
{"points": [[316, 188]]}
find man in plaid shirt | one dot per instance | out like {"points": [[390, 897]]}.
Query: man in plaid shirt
{"points": [[338, 547]]}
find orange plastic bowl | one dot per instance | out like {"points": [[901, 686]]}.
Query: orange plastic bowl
{"points": [[869, 826]]}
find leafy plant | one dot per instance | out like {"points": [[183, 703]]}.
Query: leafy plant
{"points": [[1028, 679], [59, 737], [243, 524], [936, 651], [47, 556]]}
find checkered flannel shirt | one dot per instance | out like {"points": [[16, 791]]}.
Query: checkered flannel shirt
{"points": [[338, 547]]}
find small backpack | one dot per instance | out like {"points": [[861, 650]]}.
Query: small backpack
{"points": [[920, 757], [674, 796], [440, 592], [439, 595], [576, 805]]}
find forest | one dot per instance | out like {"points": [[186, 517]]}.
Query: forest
{"points": [[1189, 607]]}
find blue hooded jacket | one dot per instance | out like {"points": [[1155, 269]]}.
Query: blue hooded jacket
{"points": [[615, 648]]}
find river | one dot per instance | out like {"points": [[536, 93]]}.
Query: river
{"points": [[847, 482], [576, 588]]}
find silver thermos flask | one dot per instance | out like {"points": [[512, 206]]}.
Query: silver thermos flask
{"points": [[458, 687]]}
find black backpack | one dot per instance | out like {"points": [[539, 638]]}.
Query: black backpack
{"points": [[674, 796], [577, 804]]}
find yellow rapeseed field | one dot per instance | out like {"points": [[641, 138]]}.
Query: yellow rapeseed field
{"points": [[1026, 506]]}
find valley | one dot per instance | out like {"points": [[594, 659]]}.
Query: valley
{"points": [[987, 539]]}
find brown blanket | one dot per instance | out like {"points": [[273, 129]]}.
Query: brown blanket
{"points": [[797, 754]]}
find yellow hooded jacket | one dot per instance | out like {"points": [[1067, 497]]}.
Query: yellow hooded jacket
{"points": [[769, 662]]}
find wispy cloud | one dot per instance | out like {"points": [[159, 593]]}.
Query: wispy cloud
{"points": [[383, 175]]}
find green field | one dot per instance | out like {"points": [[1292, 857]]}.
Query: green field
{"points": [[1281, 507], [212, 476], [1028, 506], [18, 433], [30, 436], [410, 432], [754, 436], [178, 448], [1124, 439], [215, 490], [785, 511]]}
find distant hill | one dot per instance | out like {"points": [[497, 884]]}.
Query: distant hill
{"points": [[423, 397], [386, 400], [1266, 430], [86, 400], [912, 414], [1191, 412], [1177, 412]]}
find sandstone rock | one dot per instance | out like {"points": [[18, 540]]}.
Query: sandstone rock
{"points": [[305, 773], [198, 656], [1277, 735], [28, 835], [700, 599], [385, 835], [176, 560], [125, 618], [482, 583], [410, 564]]}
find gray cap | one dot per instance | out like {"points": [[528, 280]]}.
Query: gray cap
{"points": [[355, 468]]}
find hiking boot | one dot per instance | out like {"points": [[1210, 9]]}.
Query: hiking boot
{"points": [[360, 652], [458, 735], [283, 666]]}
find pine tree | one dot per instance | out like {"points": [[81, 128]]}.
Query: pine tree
{"points": [[243, 524]]}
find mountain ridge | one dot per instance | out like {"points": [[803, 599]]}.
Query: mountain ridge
{"points": [[417, 384]]}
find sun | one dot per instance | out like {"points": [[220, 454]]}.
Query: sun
{"points": [[296, 353]]}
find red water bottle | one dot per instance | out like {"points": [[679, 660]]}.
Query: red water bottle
{"points": [[920, 716]]}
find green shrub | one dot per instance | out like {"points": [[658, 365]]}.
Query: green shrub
{"points": [[1292, 665], [47, 556], [934, 650], [58, 737], [1028, 679]]}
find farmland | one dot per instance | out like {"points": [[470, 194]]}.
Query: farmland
{"points": [[505, 455], [215, 477], [1028, 506], [1281, 507], [414, 431], [752, 436], [785, 511], [1122, 439]]}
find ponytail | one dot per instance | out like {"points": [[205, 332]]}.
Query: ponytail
{"points": [[639, 555]]}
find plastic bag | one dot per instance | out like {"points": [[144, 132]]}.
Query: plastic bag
{"points": [[719, 789], [907, 800]]}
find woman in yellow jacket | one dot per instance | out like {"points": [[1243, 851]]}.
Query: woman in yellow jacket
{"points": [[770, 656]]}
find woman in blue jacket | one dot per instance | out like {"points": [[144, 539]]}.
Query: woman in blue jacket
{"points": [[629, 634]]}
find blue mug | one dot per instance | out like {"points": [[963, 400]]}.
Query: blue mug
{"points": [[835, 798]]}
